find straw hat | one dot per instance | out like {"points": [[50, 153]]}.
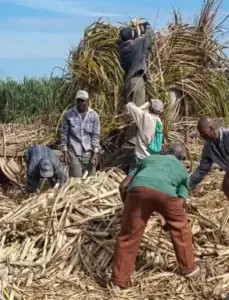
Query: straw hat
{"points": [[10, 169]]}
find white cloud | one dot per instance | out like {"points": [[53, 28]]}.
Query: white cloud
{"points": [[62, 6], [37, 44]]}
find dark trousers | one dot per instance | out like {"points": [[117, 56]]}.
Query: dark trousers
{"points": [[225, 184], [139, 205], [134, 90]]}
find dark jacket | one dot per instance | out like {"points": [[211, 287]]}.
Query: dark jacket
{"points": [[133, 54]]}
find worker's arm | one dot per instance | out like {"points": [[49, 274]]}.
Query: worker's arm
{"points": [[136, 113], [203, 169], [33, 182], [95, 141], [64, 133], [58, 172], [147, 34], [124, 186]]}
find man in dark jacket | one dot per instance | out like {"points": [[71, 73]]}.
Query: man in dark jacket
{"points": [[133, 53]]}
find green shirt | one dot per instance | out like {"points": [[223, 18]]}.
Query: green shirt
{"points": [[164, 173]]}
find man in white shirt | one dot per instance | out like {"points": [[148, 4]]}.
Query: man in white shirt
{"points": [[146, 121]]}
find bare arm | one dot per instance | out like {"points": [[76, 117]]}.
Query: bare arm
{"points": [[64, 133], [203, 169], [96, 134]]}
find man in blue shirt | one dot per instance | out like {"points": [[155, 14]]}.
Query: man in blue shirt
{"points": [[42, 162], [80, 136]]}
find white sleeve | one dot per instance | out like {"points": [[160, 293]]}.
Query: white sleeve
{"points": [[136, 114]]}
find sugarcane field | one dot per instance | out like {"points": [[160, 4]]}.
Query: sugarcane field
{"points": [[114, 180]]}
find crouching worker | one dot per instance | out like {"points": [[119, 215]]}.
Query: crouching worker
{"points": [[42, 162], [159, 184]]}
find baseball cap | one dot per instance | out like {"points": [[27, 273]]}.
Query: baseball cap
{"points": [[157, 105], [82, 95], [46, 168]]}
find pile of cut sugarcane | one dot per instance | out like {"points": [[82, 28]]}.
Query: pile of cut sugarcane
{"points": [[15, 137], [59, 245]]}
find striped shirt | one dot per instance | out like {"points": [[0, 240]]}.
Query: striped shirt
{"points": [[80, 134], [212, 153], [33, 155]]}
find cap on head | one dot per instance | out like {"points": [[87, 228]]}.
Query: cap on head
{"points": [[82, 95], [157, 106], [126, 34], [177, 150], [46, 168]]}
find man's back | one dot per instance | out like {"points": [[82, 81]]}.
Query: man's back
{"points": [[36, 153], [164, 173], [133, 54]]}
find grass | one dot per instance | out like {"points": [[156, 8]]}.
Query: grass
{"points": [[29, 100]]}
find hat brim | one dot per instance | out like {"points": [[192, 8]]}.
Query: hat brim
{"points": [[46, 174], [82, 98]]}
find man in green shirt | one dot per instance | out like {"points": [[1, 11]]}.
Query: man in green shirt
{"points": [[158, 184]]}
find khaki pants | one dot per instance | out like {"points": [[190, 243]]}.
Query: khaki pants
{"points": [[139, 205], [134, 90], [79, 164]]}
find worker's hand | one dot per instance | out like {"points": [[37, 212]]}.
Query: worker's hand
{"points": [[56, 186], [66, 157], [143, 27], [95, 159]]}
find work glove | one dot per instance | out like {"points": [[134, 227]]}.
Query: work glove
{"points": [[56, 186]]}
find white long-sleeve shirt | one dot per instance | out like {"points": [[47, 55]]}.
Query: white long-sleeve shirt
{"points": [[146, 124]]}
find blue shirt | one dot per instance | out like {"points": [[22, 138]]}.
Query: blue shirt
{"points": [[80, 134], [33, 155]]}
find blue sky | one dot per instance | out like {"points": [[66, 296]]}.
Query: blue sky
{"points": [[36, 35]]}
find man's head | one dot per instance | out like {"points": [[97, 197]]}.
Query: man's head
{"points": [[82, 98], [46, 168], [156, 106], [208, 129], [176, 150], [126, 34]]}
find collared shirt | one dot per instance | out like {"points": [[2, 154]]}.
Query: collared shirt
{"points": [[80, 134], [212, 153], [163, 173], [33, 155], [146, 124]]}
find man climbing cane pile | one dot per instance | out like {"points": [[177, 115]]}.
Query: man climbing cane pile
{"points": [[133, 53], [158, 184]]}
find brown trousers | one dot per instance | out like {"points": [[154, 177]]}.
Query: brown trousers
{"points": [[139, 205]]}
